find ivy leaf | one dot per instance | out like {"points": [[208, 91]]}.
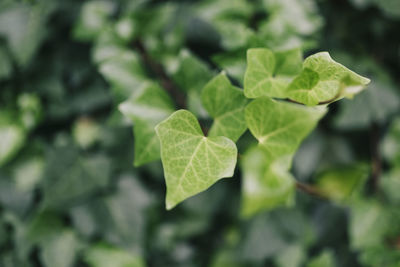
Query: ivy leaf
{"points": [[280, 126], [92, 20], [123, 70], [82, 176], [375, 105], [12, 136], [343, 184], [324, 259], [12, 140], [103, 255], [265, 186], [293, 255], [233, 62], [146, 108], [191, 75], [225, 103], [369, 222], [60, 250], [191, 161], [324, 80], [269, 73]]}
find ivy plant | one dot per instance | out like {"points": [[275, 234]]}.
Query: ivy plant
{"points": [[282, 101]]}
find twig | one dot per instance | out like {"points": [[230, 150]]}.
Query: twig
{"points": [[311, 190], [158, 70], [376, 159]]}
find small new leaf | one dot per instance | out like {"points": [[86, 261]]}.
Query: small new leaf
{"points": [[146, 108], [191, 161], [323, 80], [225, 103], [269, 73]]}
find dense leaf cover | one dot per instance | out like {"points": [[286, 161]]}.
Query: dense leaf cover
{"points": [[212, 89]]}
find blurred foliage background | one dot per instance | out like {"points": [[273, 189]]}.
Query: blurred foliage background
{"points": [[69, 194]]}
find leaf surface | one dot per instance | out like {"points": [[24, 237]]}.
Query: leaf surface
{"points": [[102, 255], [265, 186], [269, 73], [146, 108], [225, 103], [280, 126], [324, 80], [191, 161]]}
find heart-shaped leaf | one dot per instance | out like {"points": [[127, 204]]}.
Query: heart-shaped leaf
{"points": [[280, 126], [269, 73], [147, 107], [225, 103], [265, 186], [324, 80], [191, 161]]}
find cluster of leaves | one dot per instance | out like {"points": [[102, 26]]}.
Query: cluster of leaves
{"points": [[75, 76]]}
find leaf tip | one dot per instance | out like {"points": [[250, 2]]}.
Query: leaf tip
{"points": [[169, 205]]}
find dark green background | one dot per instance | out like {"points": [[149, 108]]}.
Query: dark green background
{"points": [[69, 194]]}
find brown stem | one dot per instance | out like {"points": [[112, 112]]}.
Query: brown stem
{"points": [[311, 190], [376, 159], [159, 72]]}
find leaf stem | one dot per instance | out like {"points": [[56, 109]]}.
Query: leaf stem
{"points": [[159, 72], [319, 103]]}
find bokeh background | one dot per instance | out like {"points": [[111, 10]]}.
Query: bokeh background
{"points": [[69, 193]]}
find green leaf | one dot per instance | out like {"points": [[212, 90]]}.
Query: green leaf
{"points": [[225, 103], [264, 186], [269, 73], [146, 108], [288, 22], [233, 62], [12, 137], [280, 126], [324, 80], [60, 250], [191, 161], [390, 185], [374, 105], [86, 132], [102, 255], [24, 27], [191, 75], [123, 70], [30, 110], [92, 20], [344, 183], [78, 175], [253, 247], [29, 173], [235, 34], [324, 259], [369, 222], [292, 256]]}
